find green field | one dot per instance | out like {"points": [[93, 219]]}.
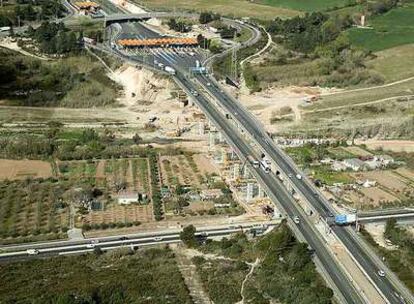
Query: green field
{"points": [[237, 8], [394, 63], [356, 97], [391, 29], [306, 5]]}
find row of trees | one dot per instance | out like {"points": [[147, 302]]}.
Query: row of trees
{"points": [[89, 146], [155, 187]]}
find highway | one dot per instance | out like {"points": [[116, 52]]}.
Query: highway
{"points": [[275, 189], [304, 187], [277, 192], [182, 63], [54, 248]]}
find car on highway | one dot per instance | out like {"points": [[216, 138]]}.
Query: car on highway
{"points": [[298, 176], [381, 273], [290, 175], [158, 239], [90, 246], [94, 241], [32, 251], [123, 238], [296, 220], [208, 84]]}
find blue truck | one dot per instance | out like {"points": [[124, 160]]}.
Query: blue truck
{"points": [[345, 219]]}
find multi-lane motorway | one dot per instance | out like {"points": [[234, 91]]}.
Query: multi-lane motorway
{"points": [[390, 290], [181, 61], [45, 249]]}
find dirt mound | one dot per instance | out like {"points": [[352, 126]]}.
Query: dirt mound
{"points": [[142, 86]]}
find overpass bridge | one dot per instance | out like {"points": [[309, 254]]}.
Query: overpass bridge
{"points": [[403, 216], [119, 18]]}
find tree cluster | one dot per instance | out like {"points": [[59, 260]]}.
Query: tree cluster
{"points": [[305, 34], [203, 42], [381, 7], [55, 38], [227, 32], [155, 187], [398, 236], [178, 26], [31, 10], [207, 17]]}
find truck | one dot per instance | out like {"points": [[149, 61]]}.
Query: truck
{"points": [[265, 166], [4, 28], [253, 161], [345, 219], [170, 70]]}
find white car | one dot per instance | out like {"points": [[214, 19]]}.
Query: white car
{"points": [[158, 239], [381, 273], [298, 176], [296, 220], [90, 246], [32, 251], [208, 84]]}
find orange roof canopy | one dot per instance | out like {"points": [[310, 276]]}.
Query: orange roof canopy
{"points": [[158, 42]]}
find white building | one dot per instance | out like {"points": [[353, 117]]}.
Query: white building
{"points": [[128, 198], [338, 166], [385, 159], [354, 164]]}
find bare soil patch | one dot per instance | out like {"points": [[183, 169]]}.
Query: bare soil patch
{"points": [[378, 196], [22, 169], [387, 179], [390, 145], [357, 151], [116, 213]]}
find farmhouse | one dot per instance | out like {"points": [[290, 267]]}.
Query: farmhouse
{"points": [[354, 164], [128, 198]]}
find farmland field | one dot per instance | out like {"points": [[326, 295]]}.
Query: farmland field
{"points": [[394, 28], [394, 63], [224, 7], [355, 97], [33, 208], [21, 169], [188, 169], [40, 208], [120, 214], [305, 5]]}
